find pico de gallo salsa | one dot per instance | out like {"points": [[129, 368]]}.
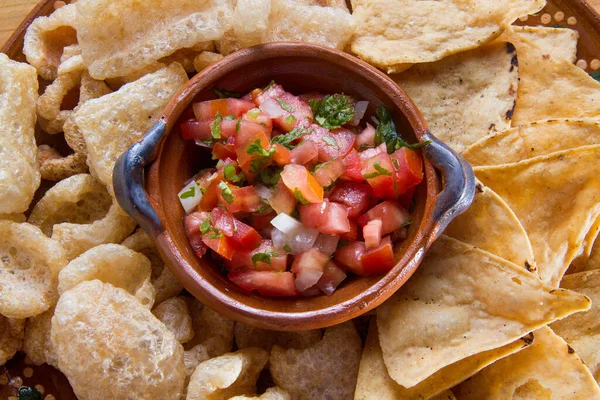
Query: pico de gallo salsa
{"points": [[303, 192]]}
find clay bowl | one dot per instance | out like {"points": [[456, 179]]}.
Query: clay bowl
{"points": [[149, 175]]}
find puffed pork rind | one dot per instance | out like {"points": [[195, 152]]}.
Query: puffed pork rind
{"points": [[29, 270], [176, 317], [249, 336], [232, 374], [11, 336], [135, 34], [111, 347], [114, 264], [36, 342], [46, 38], [79, 199], [19, 174], [272, 393], [112, 123]]}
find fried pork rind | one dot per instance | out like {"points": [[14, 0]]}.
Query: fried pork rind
{"points": [[135, 34], [249, 336], [272, 393], [174, 314], [112, 123], [467, 96], [11, 336], [251, 21], [29, 270], [548, 369], [55, 167], [213, 335], [36, 342], [557, 201], [491, 225], [404, 32], [76, 238], [374, 381], [560, 42], [14, 217], [206, 58], [327, 370], [79, 199], [460, 302], [46, 38], [582, 330], [532, 140], [19, 175], [111, 346], [164, 282], [114, 264], [229, 375], [561, 91]]}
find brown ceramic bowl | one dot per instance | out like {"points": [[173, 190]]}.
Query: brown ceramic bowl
{"points": [[149, 175]]}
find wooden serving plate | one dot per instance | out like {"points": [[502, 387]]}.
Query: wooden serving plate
{"points": [[574, 14]]}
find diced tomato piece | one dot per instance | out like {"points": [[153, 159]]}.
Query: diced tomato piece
{"points": [[282, 201], [308, 267], [245, 199], [380, 259], [286, 110], [332, 276], [201, 130], [221, 244], [298, 179], [379, 173], [409, 168], [242, 234], [331, 144], [245, 159], [208, 110], [391, 215], [366, 138], [262, 221], [352, 234], [249, 131], [368, 153], [258, 117], [224, 151], [305, 153], [329, 218], [210, 198], [192, 228], [267, 283], [355, 196], [243, 259], [372, 233], [282, 155], [406, 198], [350, 256], [353, 167], [330, 171]]}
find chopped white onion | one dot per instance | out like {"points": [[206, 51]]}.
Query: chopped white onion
{"points": [[190, 196], [327, 244], [302, 240], [307, 278], [360, 108], [263, 191], [272, 108], [286, 224]]}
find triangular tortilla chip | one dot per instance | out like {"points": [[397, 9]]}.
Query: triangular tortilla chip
{"points": [[374, 381], [556, 198], [549, 369], [533, 140], [466, 96], [460, 302], [559, 42], [561, 91], [586, 263], [582, 330], [492, 226]]}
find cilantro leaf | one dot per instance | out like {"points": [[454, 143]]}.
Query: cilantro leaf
{"points": [[191, 192], [287, 248], [238, 125], [253, 113], [269, 86], [290, 119], [263, 257], [300, 197], [284, 105], [332, 111], [386, 133], [226, 192], [293, 135], [264, 156], [270, 176], [230, 175], [331, 142], [215, 127], [381, 170], [223, 93], [205, 226]]}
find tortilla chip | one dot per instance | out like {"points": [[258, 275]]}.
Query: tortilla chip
{"points": [[582, 330], [112, 123], [491, 225], [374, 381], [532, 140], [19, 175], [135, 33], [413, 31], [557, 201], [465, 97], [560, 42], [547, 369], [586, 263], [460, 302], [561, 91]]}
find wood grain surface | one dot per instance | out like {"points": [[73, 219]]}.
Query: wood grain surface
{"points": [[12, 12]]}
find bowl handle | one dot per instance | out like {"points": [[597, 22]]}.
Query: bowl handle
{"points": [[128, 179], [459, 184]]}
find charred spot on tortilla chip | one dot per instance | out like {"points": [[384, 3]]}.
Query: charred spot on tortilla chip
{"points": [[528, 339], [570, 349], [509, 113]]}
